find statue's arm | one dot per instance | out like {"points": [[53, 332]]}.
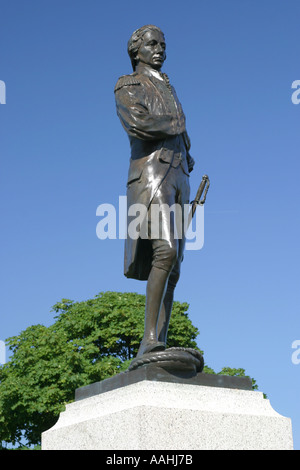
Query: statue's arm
{"points": [[190, 160], [139, 122]]}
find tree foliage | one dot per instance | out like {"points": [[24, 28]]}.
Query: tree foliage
{"points": [[89, 341]]}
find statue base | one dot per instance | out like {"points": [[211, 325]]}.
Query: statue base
{"points": [[151, 408]]}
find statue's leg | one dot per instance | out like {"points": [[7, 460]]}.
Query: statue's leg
{"points": [[166, 308], [167, 255], [182, 199], [156, 287], [163, 262]]}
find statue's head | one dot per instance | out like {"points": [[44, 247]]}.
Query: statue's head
{"points": [[147, 45]]}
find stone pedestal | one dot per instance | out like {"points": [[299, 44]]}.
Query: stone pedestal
{"points": [[136, 412]]}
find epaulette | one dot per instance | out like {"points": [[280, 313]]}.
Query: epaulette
{"points": [[126, 80]]}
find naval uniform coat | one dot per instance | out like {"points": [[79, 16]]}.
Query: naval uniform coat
{"points": [[152, 116]]}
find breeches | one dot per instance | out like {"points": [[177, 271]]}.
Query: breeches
{"points": [[166, 222]]}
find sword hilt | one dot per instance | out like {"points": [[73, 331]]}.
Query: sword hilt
{"points": [[203, 188]]}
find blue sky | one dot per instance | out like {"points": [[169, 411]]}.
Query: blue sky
{"points": [[63, 153]]}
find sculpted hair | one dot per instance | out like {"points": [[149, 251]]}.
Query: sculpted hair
{"points": [[136, 39]]}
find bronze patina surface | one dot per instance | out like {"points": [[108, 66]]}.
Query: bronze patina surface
{"points": [[160, 165]]}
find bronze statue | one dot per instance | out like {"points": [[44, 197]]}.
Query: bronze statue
{"points": [[160, 163]]}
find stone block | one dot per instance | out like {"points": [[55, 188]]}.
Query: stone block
{"points": [[161, 415]]}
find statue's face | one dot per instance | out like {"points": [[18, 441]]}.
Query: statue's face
{"points": [[152, 50]]}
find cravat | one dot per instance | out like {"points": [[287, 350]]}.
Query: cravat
{"points": [[166, 80]]}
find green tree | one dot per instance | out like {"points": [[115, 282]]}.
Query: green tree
{"points": [[89, 341]]}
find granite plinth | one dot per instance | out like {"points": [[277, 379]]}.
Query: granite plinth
{"points": [[168, 415]]}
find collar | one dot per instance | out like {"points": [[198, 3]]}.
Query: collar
{"points": [[156, 74], [150, 72]]}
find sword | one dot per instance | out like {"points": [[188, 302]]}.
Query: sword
{"points": [[203, 188]]}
